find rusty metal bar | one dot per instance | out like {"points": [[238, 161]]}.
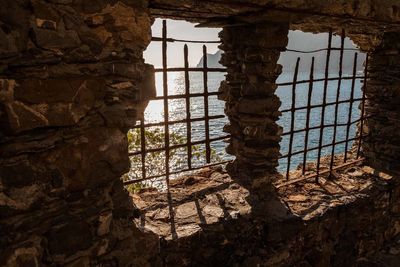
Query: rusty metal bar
{"points": [[319, 80], [206, 105], [320, 50], [363, 108], [191, 69], [166, 128], [325, 126], [293, 117], [148, 125], [337, 99], [307, 130], [172, 40], [353, 83], [187, 101], [152, 150], [321, 136], [322, 105], [294, 181], [180, 96], [165, 93], [318, 147], [143, 147]]}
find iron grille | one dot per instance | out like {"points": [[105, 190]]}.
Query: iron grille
{"points": [[166, 123], [304, 152]]}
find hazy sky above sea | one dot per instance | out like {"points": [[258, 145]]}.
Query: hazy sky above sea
{"points": [[185, 30]]}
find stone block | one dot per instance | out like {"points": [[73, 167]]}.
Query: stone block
{"points": [[259, 106], [70, 238]]}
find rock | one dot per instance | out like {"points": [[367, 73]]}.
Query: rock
{"points": [[70, 238]]}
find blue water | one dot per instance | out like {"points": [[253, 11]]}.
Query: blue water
{"points": [[176, 84]]}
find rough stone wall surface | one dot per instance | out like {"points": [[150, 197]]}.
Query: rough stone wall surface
{"points": [[382, 146], [250, 54], [72, 81], [374, 10], [354, 221]]}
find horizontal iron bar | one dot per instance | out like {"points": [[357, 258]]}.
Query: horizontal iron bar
{"points": [[175, 172], [316, 148], [190, 69], [161, 149], [294, 181], [172, 40], [321, 80], [184, 95], [216, 117], [320, 50], [322, 105], [323, 126]]}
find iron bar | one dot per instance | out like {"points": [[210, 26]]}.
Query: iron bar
{"points": [[143, 147], [319, 127], [166, 127], [165, 93], [353, 84], [172, 40], [321, 136], [293, 117], [152, 150], [319, 147], [309, 98], [180, 96], [206, 113], [187, 101], [192, 69], [320, 50], [321, 105], [155, 124], [337, 99], [363, 108], [320, 80]]}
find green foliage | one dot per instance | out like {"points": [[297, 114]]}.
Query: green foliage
{"points": [[155, 161]]}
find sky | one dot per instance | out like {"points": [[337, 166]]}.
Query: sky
{"points": [[185, 30], [180, 30]]}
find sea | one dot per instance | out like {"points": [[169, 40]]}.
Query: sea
{"points": [[176, 85]]}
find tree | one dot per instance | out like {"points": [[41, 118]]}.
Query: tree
{"points": [[155, 161]]}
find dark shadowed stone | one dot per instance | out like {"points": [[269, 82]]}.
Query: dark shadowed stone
{"points": [[92, 40], [50, 39], [70, 238], [17, 175]]}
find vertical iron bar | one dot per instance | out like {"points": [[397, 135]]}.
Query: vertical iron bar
{"points": [[337, 101], [310, 91], [206, 112], [166, 127], [363, 107], [187, 98], [165, 97], [293, 117], [143, 147], [353, 84], [321, 135]]}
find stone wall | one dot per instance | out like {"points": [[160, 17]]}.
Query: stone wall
{"points": [[251, 53], [382, 146], [352, 221], [73, 81]]}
